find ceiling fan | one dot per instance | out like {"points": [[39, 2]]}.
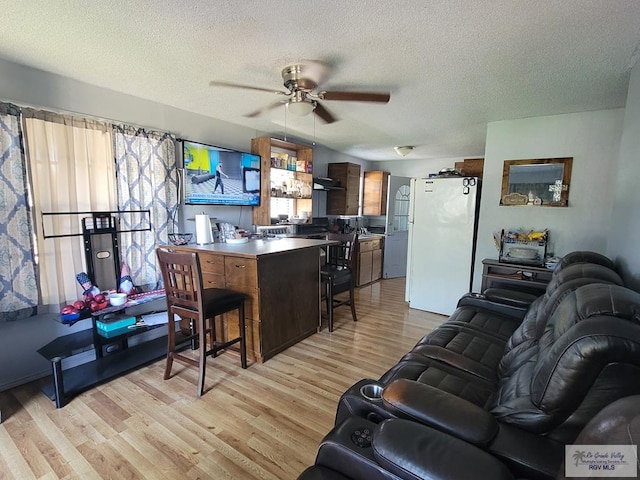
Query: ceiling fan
{"points": [[302, 96]]}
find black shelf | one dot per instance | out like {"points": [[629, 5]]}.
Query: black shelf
{"points": [[113, 354], [85, 340], [83, 377], [68, 345]]}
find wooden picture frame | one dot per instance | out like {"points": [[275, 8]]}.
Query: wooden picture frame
{"points": [[536, 182]]}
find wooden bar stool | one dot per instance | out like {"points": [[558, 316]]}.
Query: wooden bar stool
{"points": [[182, 277]]}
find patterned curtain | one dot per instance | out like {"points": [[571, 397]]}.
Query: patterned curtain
{"points": [[18, 288], [147, 179]]}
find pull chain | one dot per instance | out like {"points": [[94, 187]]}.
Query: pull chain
{"points": [[285, 122]]}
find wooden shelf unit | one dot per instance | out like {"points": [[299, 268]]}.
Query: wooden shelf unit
{"points": [[265, 147], [512, 276]]}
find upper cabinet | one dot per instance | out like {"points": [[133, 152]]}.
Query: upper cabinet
{"points": [[374, 193], [287, 181], [344, 202], [471, 167]]}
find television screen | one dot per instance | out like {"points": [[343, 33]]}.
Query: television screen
{"points": [[219, 176]]}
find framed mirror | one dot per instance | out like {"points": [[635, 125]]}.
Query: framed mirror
{"points": [[541, 182]]}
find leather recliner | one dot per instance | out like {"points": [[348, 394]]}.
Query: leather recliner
{"points": [[587, 356], [402, 449], [468, 354], [576, 351]]}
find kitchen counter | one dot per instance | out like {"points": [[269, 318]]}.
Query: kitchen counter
{"points": [[281, 278], [258, 247]]}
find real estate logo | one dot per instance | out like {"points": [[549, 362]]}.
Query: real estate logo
{"points": [[601, 461]]}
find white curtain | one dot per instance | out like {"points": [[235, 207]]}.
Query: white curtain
{"points": [[18, 288], [147, 180], [72, 170]]}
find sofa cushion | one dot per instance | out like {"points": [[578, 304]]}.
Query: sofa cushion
{"points": [[417, 367]]}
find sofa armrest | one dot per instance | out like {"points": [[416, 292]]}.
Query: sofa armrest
{"points": [[497, 304], [413, 451], [439, 409]]}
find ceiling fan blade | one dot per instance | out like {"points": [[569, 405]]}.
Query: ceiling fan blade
{"points": [[323, 113], [215, 83], [265, 109], [356, 96]]}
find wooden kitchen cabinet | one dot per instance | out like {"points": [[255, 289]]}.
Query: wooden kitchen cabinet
{"points": [[344, 202], [376, 264], [266, 147], [471, 167], [374, 193], [365, 267], [369, 260], [267, 272]]}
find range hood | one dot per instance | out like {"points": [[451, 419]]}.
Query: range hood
{"points": [[326, 184]]}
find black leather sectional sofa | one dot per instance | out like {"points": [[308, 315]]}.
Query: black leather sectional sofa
{"points": [[497, 390]]}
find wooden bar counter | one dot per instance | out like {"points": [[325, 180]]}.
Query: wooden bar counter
{"points": [[281, 279]]}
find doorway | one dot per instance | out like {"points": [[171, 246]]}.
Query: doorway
{"points": [[397, 228]]}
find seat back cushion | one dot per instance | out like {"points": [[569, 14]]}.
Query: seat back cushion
{"points": [[587, 357], [523, 343], [584, 256]]}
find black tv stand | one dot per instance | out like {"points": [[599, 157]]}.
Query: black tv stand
{"points": [[114, 356]]}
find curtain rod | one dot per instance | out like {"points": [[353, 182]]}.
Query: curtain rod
{"points": [[85, 115]]}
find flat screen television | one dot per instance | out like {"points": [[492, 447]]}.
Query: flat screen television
{"points": [[219, 176]]}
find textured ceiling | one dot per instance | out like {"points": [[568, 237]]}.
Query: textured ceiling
{"points": [[451, 65]]}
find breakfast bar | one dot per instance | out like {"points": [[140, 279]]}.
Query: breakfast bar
{"points": [[281, 278]]}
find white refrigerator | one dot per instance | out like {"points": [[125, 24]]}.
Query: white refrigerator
{"points": [[442, 235]]}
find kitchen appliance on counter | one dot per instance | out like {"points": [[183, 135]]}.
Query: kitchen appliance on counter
{"points": [[442, 232], [318, 229], [278, 230]]}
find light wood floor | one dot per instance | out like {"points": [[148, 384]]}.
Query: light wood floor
{"points": [[261, 423]]}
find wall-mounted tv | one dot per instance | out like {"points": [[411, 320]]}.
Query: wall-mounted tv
{"points": [[219, 176]]}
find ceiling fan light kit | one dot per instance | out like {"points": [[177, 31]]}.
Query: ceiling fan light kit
{"points": [[302, 108], [301, 105], [301, 81], [404, 150]]}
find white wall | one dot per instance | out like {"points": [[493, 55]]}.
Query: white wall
{"points": [[625, 224], [415, 168], [592, 139]]}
